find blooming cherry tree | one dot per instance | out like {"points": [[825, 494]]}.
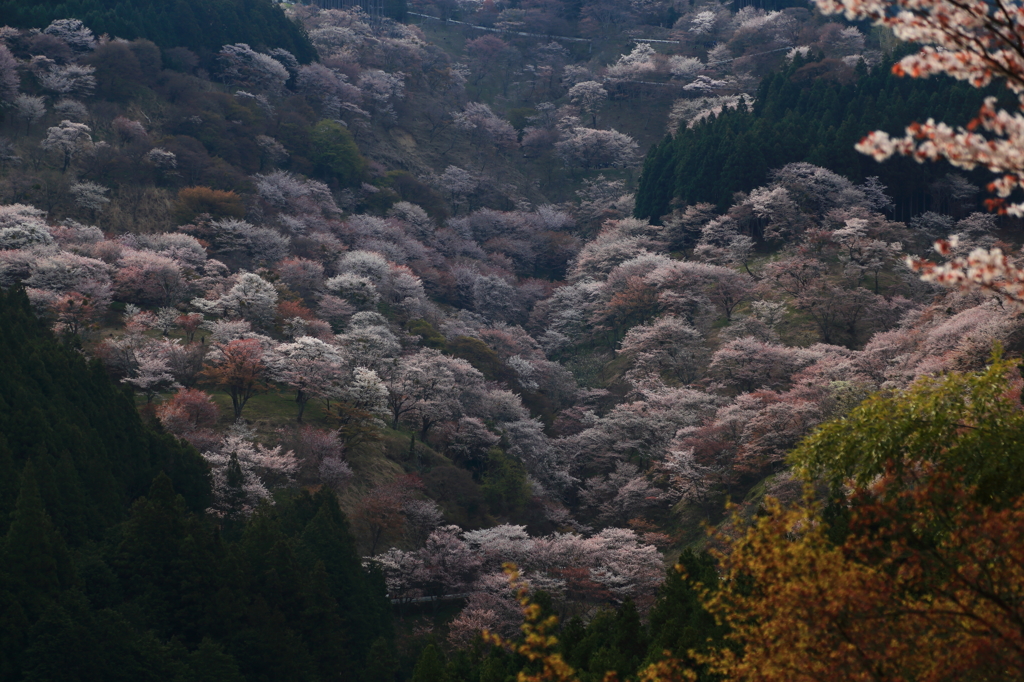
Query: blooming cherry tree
{"points": [[578, 572], [151, 374], [588, 148], [240, 367], [313, 368], [241, 471], [252, 298], [241, 65], [668, 345], [75, 313], [69, 79], [73, 32], [145, 277], [29, 109], [423, 388], [589, 96], [986, 270], [381, 513], [68, 140], [191, 415], [366, 391]]}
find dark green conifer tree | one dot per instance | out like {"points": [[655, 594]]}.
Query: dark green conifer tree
{"points": [[210, 663], [430, 667], [678, 621], [36, 562], [381, 662]]}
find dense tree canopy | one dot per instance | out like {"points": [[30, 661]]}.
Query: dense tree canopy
{"points": [[82, 432], [797, 117], [203, 26]]}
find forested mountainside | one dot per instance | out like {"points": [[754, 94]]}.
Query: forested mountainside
{"points": [[798, 115], [203, 27], [314, 320]]}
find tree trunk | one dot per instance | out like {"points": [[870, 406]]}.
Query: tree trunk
{"points": [[376, 539]]}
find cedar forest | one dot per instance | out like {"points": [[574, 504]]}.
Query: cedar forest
{"points": [[493, 340]]}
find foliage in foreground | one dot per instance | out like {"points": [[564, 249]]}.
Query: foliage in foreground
{"points": [[918, 576], [969, 423], [928, 585]]}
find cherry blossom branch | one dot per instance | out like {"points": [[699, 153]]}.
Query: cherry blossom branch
{"points": [[983, 270], [971, 40]]}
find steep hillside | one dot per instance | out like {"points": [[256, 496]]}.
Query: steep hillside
{"points": [[391, 316]]}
